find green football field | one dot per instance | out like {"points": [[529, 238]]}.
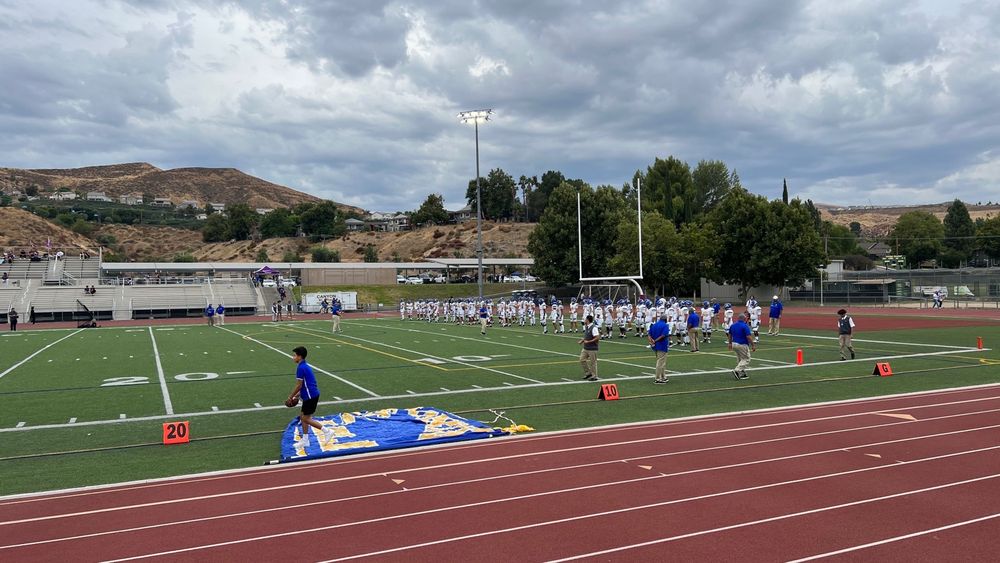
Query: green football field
{"points": [[83, 407]]}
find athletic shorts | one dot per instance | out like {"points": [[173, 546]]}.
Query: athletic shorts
{"points": [[309, 406]]}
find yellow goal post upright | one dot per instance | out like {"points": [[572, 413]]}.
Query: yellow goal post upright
{"points": [[635, 279]]}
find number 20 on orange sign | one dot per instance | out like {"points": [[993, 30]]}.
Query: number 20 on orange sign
{"points": [[176, 432]]}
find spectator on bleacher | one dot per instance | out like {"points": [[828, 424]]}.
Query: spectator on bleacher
{"points": [[12, 319], [4, 278], [59, 254], [93, 290], [86, 290], [220, 313], [210, 314]]}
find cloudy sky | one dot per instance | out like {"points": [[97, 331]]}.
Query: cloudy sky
{"points": [[888, 101]]}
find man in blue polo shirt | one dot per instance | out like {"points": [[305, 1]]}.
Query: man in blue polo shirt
{"points": [[741, 342], [307, 390], [659, 341], [220, 315], [774, 316], [484, 317], [210, 314], [335, 315], [694, 328]]}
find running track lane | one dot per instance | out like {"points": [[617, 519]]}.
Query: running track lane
{"points": [[756, 485]]}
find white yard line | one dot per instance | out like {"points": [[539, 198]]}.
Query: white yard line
{"points": [[317, 368], [918, 344], [416, 353], [498, 388], [40, 350], [167, 404]]}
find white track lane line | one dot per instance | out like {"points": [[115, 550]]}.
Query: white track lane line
{"points": [[167, 404], [503, 530], [540, 436], [39, 351], [319, 369], [779, 518], [896, 538], [593, 464]]}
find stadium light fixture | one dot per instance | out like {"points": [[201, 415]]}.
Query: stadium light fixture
{"points": [[475, 117]]}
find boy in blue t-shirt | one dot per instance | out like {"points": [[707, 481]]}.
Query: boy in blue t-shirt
{"points": [[306, 389]]}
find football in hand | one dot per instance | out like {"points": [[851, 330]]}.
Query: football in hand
{"points": [[291, 402]]}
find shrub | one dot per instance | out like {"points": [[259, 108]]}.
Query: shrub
{"points": [[324, 254]]}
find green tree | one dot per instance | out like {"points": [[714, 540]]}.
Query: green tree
{"points": [[371, 253], [538, 197], [323, 220], [279, 223], [183, 257], [431, 211], [291, 256], [988, 237], [216, 229], [31, 191], [242, 221], [669, 188], [919, 235], [82, 227], [856, 228], [784, 191], [498, 193], [659, 238], [959, 231], [712, 181], [839, 240], [763, 242], [261, 256], [554, 244], [324, 254]]}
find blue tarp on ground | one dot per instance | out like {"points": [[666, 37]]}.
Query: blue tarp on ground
{"points": [[385, 429]]}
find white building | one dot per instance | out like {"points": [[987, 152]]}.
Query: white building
{"points": [[219, 207], [189, 204], [264, 210], [162, 202], [131, 199], [63, 196], [98, 196]]}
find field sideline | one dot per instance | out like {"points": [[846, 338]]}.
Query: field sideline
{"points": [[86, 407]]}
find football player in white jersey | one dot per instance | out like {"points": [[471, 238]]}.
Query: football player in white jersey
{"points": [[755, 313], [707, 312], [727, 317], [574, 308]]}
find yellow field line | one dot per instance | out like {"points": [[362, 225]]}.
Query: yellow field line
{"points": [[331, 339]]}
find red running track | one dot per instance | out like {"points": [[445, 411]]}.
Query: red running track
{"points": [[906, 477]]}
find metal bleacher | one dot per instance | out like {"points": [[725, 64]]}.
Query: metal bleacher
{"points": [[189, 300], [63, 304], [10, 296]]}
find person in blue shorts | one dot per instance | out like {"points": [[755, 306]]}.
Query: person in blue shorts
{"points": [[741, 342], [307, 390]]}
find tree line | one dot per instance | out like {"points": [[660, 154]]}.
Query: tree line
{"points": [[958, 240], [317, 221], [696, 223]]}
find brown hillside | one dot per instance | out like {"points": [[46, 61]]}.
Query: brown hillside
{"points": [[204, 185], [19, 228], [878, 221], [147, 243]]}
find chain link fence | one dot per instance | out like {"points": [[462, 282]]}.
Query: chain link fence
{"points": [[977, 288]]}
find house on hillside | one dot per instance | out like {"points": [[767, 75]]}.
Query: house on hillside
{"points": [[463, 214], [387, 222], [398, 223], [189, 204], [63, 196], [218, 207], [354, 225], [264, 210], [131, 199], [877, 250], [162, 202], [98, 196]]}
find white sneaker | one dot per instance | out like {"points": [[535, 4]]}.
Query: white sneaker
{"points": [[327, 433], [302, 444]]}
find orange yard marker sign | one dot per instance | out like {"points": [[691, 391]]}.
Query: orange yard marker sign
{"points": [[176, 433], [609, 392], [882, 369]]}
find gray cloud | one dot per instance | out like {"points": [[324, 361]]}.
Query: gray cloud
{"points": [[892, 100]]}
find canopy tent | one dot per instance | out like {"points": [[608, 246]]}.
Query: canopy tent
{"points": [[266, 271]]}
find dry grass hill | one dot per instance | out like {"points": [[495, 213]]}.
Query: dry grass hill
{"points": [[143, 243], [878, 221], [204, 185], [19, 228]]}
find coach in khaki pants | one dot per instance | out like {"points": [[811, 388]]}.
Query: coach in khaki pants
{"points": [[845, 326], [659, 341], [588, 356]]}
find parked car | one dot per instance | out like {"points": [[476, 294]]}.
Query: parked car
{"points": [[466, 278], [288, 283], [269, 283], [414, 280], [530, 278], [513, 278], [400, 279], [439, 279]]}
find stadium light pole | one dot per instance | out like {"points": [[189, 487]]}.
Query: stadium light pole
{"points": [[474, 117]]}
